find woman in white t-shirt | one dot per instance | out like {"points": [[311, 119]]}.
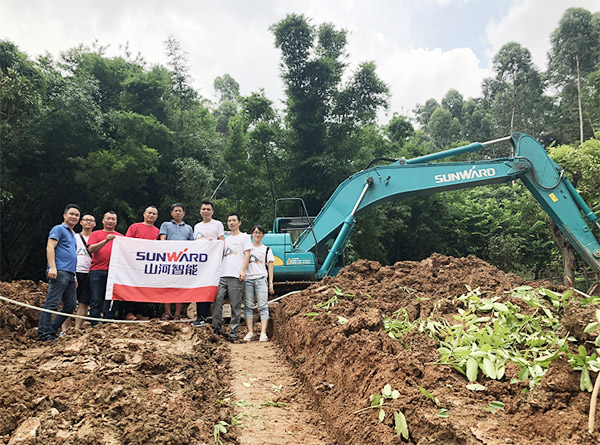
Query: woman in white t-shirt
{"points": [[259, 283]]}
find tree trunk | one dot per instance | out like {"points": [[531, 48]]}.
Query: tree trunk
{"points": [[579, 101], [568, 253]]}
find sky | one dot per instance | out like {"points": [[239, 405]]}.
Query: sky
{"points": [[421, 48]]}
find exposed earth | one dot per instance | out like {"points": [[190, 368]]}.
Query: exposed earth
{"points": [[166, 382]]}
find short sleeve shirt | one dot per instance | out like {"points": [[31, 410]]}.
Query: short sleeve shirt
{"points": [[177, 232], [65, 252], [101, 259], [84, 259], [210, 230], [143, 231], [233, 256], [257, 267]]}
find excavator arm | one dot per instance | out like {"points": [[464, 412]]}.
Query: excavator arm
{"points": [[420, 176]]}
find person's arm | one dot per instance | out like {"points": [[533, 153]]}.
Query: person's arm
{"points": [[246, 261], [270, 267], [51, 257], [221, 237], [162, 237], [93, 248]]}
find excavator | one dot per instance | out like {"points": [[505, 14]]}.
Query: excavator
{"points": [[309, 248]]}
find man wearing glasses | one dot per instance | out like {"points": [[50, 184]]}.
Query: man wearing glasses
{"points": [[84, 262]]}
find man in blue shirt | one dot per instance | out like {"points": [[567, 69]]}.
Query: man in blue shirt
{"points": [[61, 253], [175, 230]]}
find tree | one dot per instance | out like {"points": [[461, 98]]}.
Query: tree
{"points": [[453, 102], [324, 114], [515, 94], [477, 122], [574, 54], [399, 130], [443, 128], [581, 165], [424, 112], [229, 96]]}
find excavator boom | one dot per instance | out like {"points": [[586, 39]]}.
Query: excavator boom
{"points": [[421, 176]]}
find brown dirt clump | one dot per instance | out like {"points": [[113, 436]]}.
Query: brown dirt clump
{"points": [[343, 364], [18, 323], [148, 383], [170, 383]]}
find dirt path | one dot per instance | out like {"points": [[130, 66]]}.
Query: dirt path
{"points": [[270, 399]]}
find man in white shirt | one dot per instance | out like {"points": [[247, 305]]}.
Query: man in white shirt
{"points": [[207, 229], [233, 273], [84, 262]]}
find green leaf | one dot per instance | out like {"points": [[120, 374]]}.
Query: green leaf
{"points": [[429, 395], [475, 387], [497, 404], [443, 413], [387, 391], [381, 414], [590, 327], [400, 424], [500, 307], [472, 369], [488, 368], [461, 351], [342, 320], [395, 394], [585, 383], [375, 399]]}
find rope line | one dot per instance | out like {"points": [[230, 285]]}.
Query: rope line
{"points": [[108, 320], [104, 320]]}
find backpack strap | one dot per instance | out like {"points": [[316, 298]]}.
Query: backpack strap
{"points": [[84, 244], [266, 258]]}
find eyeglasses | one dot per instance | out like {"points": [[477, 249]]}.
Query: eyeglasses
{"points": [[88, 220]]}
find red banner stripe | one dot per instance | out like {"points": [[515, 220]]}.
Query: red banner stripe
{"points": [[163, 294]]}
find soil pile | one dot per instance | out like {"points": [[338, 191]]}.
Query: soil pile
{"points": [[18, 323], [134, 384], [345, 356], [170, 383]]}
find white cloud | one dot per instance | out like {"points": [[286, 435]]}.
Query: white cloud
{"points": [[531, 22], [233, 37]]}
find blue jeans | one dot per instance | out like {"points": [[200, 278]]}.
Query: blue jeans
{"points": [[62, 288], [97, 293], [260, 288]]}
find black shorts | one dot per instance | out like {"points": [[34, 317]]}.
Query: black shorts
{"points": [[83, 288]]}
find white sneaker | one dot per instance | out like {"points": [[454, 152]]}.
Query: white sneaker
{"points": [[263, 337], [249, 336]]}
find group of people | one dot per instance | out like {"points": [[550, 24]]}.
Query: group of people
{"points": [[78, 265]]}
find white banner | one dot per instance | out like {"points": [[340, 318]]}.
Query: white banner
{"points": [[164, 271]]}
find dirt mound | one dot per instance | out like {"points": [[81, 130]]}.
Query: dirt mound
{"points": [[18, 323], [151, 383], [334, 334], [168, 383]]}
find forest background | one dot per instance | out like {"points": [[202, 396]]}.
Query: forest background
{"points": [[115, 133]]}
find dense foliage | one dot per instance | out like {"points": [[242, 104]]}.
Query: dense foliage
{"points": [[117, 133]]}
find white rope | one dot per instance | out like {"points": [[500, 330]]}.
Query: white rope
{"points": [[284, 295], [104, 320], [108, 320]]}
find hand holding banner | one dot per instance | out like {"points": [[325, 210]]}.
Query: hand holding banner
{"points": [[164, 271]]}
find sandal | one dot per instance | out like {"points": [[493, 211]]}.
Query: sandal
{"points": [[176, 317], [166, 317]]}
